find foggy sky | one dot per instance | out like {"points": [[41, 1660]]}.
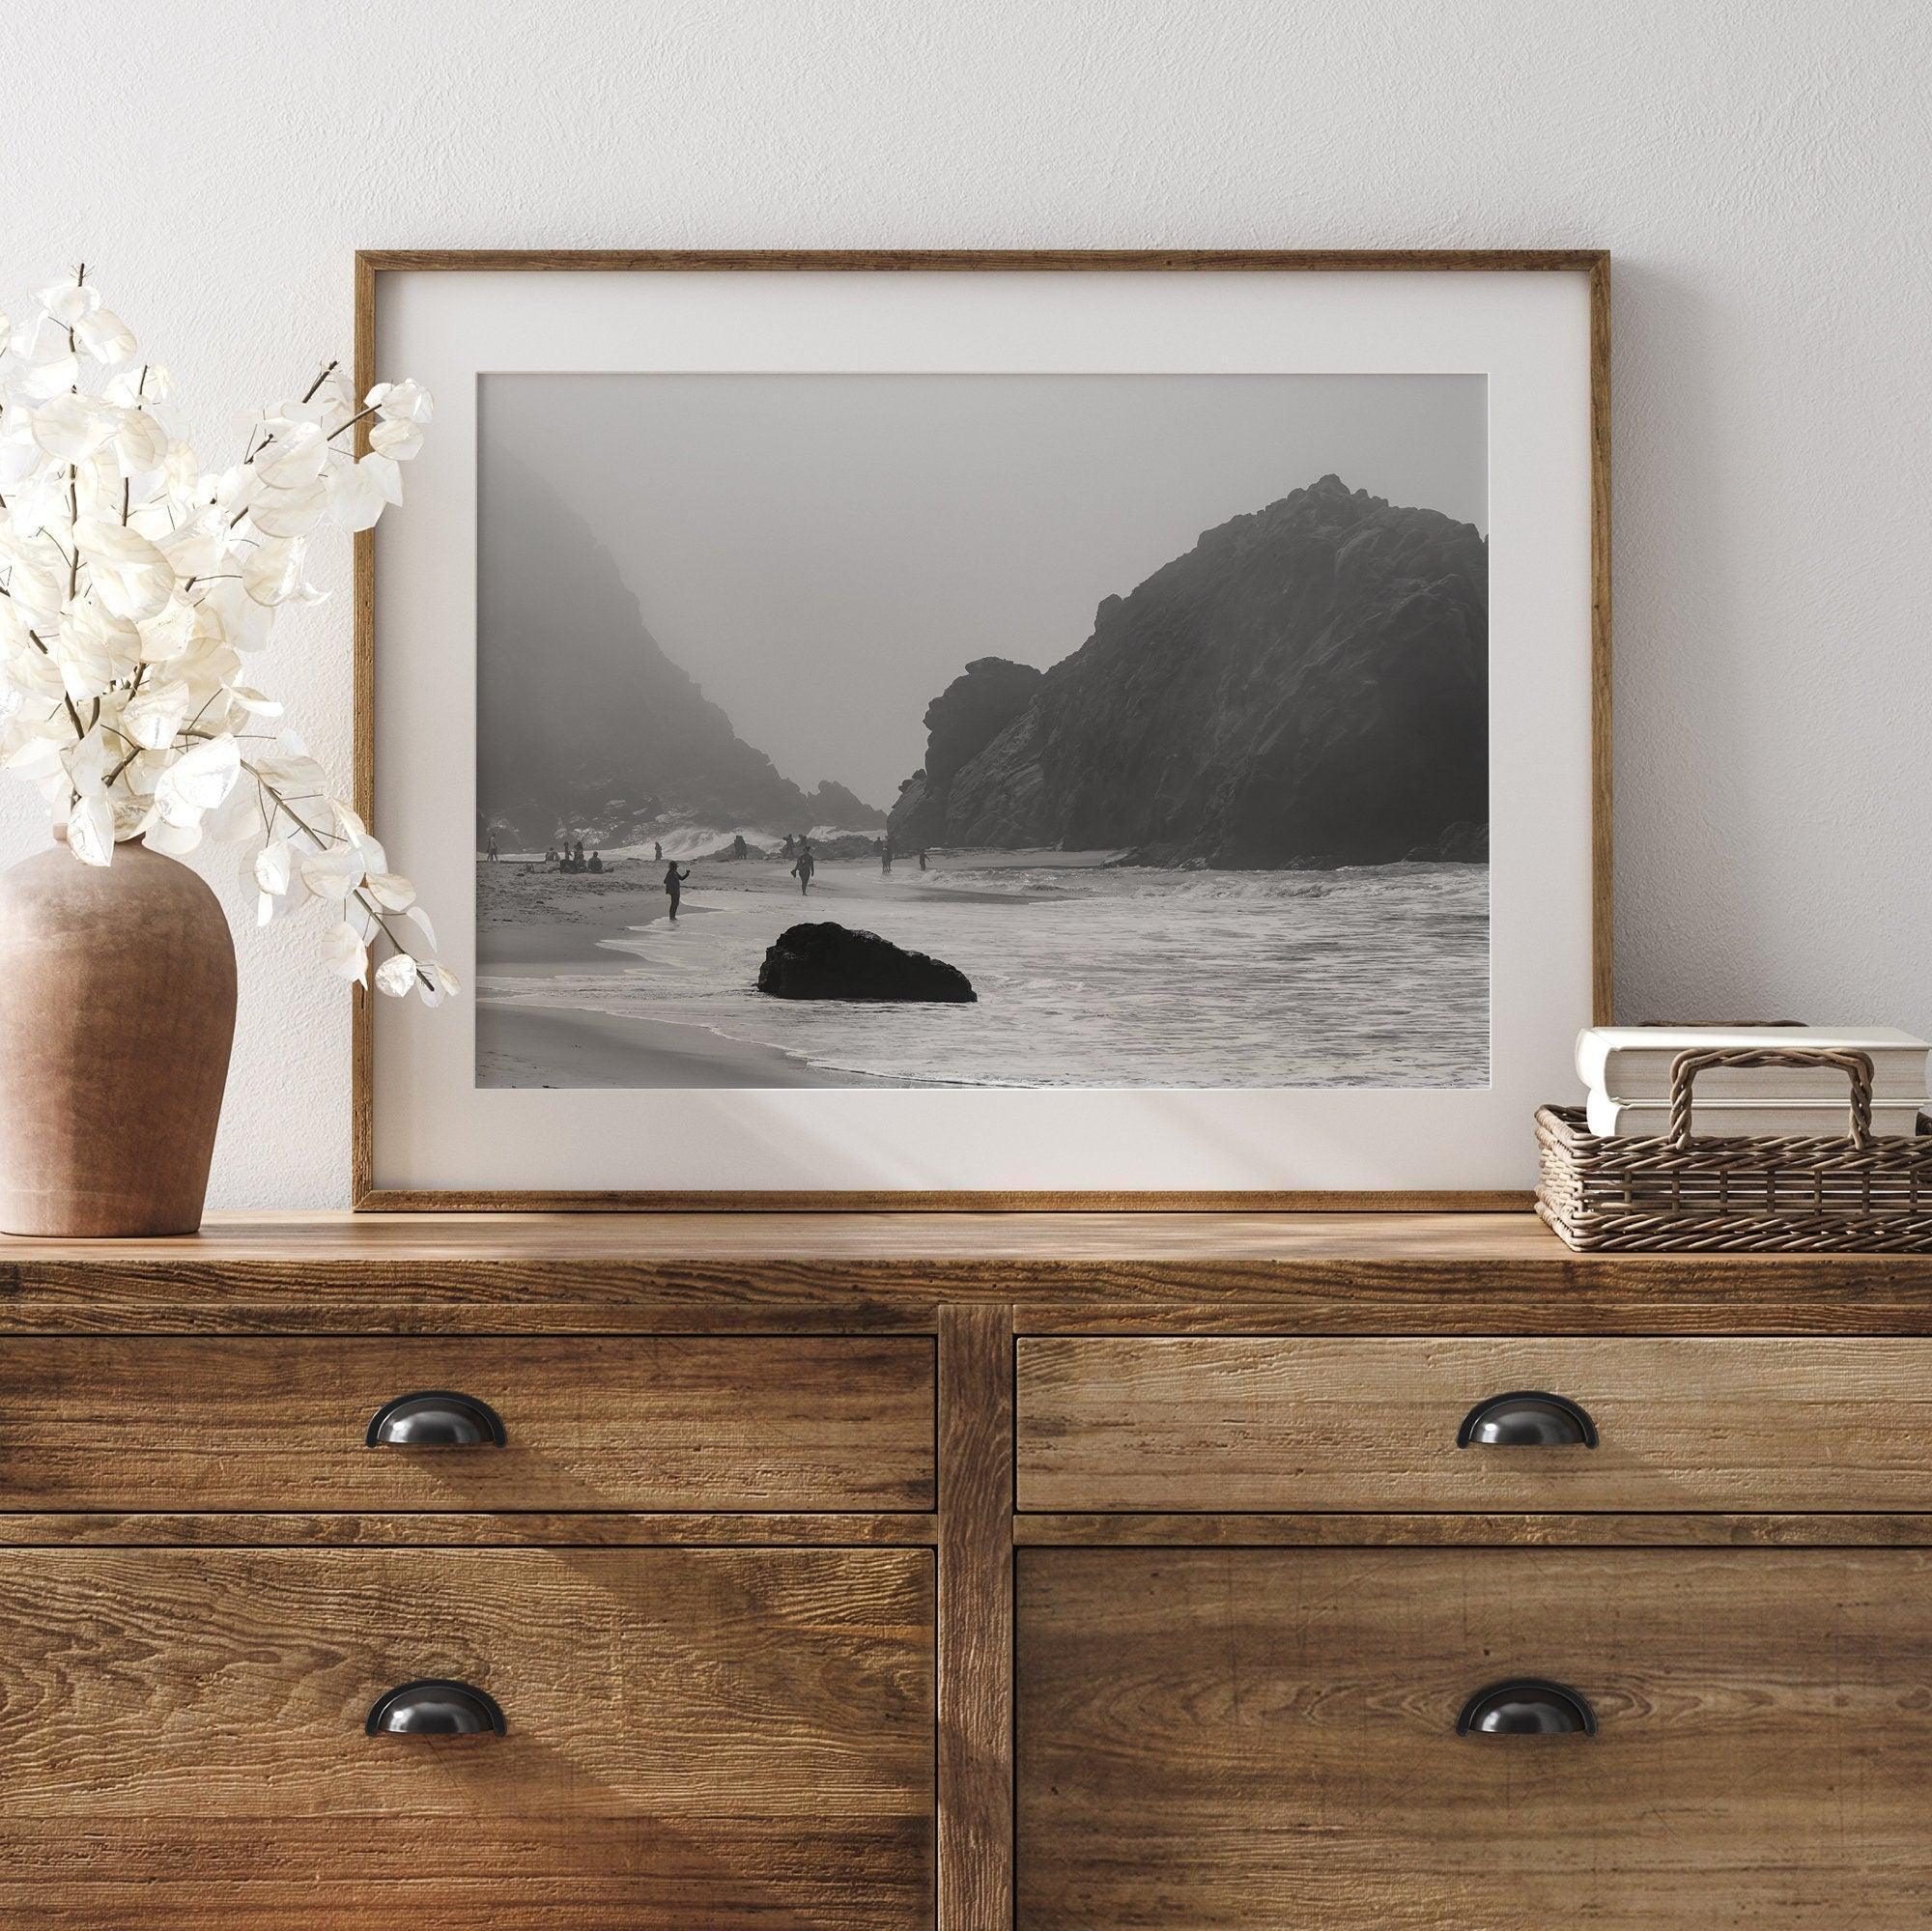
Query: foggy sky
{"points": [[824, 553]]}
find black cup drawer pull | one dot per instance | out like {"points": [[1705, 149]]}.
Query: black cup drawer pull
{"points": [[1526, 1418], [436, 1418], [433, 1705], [1526, 1705]]}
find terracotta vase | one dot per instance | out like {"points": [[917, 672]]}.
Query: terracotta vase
{"points": [[117, 1010]]}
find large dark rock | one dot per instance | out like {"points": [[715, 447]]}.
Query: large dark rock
{"points": [[832, 961], [1308, 685], [960, 722]]}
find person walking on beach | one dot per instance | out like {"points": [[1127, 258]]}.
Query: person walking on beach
{"points": [[885, 858], [922, 858], [657, 849], [674, 885], [803, 870], [492, 847]]}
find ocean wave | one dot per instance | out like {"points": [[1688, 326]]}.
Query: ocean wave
{"points": [[1091, 977], [688, 841]]}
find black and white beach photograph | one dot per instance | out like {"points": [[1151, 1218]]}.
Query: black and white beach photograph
{"points": [[983, 730]]}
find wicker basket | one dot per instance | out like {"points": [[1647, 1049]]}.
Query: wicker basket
{"points": [[1845, 1193]]}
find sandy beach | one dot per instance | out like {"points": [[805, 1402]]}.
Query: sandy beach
{"points": [[532, 918], [532, 1046]]}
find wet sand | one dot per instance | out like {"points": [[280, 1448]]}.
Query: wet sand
{"points": [[534, 1046], [535, 921]]}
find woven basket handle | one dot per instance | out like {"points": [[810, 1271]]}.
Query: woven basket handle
{"points": [[1686, 1066]]}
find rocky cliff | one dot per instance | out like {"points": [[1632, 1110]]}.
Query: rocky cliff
{"points": [[960, 722], [585, 725], [1307, 685]]}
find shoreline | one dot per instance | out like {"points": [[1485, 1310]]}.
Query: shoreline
{"points": [[542, 943], [520, 1047]]}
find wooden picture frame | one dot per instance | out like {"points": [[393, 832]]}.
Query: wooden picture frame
{"points": [[372, 265]]}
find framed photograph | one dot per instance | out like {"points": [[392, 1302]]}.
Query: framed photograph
{"points": [[989, 730]]}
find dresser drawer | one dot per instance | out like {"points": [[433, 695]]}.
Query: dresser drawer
{"points": [[669, 1422], [725, 1739], [1253, 1424], [1268, 1739]]}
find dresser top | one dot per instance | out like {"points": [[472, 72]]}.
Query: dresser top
{"points": [[325, 1238], [1326, 1272], [1256, 1242]]}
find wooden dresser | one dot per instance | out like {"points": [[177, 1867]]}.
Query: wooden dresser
{"points": [[1084, 1572]]}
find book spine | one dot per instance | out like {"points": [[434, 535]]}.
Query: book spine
{"points": [[1899, 1078], [1649, 1120]]}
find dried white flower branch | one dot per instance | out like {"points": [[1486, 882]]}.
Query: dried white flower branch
{"points": [[132, 583]]}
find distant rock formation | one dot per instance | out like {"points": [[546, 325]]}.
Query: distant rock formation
{"points": [[1460, 843], [584, 724], [833, 804], [832, 961], [960, 722], [846, 845], [1308, 685]]}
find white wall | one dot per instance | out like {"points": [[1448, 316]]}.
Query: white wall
{"points": [[1759, 169]]}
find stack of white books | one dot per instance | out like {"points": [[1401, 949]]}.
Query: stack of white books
{"points": [[1628, 1072]]}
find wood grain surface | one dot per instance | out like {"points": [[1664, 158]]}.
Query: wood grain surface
{"points": [[790, 1422], [975, 1620], [1338, 1273], [733, 1739], [1603, 816], [478, 1528], [537, 1528], [940, 261], [1434, 1528], [1272, 1424], [562, 1240], [1223, 1738]]}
